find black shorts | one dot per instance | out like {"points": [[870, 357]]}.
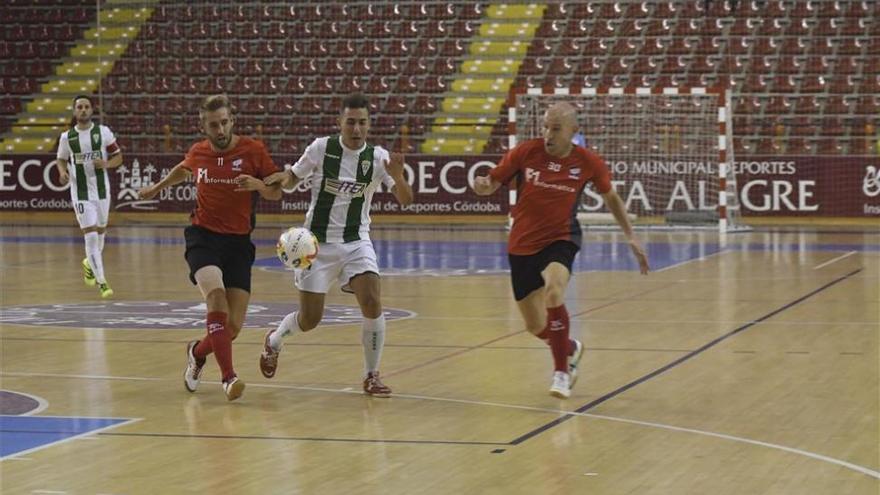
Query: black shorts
{"points": [[525, 270], [232, 253]]}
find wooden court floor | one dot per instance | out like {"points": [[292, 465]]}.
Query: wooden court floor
{"points": [[744, 367]]}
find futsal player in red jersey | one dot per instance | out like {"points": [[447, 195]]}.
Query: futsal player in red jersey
{"points": [[228, 170], [551, 174]]}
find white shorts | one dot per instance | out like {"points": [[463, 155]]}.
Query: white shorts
{"points": [[93, 213], [337, 262]]}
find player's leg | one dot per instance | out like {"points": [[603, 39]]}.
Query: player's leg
{"points": [[237, 300], [313, 284], [534, 313], [360, 273], [93, 265], [559, 258], [556, 278], [366, 288], [204, 256], [537, 279], [103, 213]]}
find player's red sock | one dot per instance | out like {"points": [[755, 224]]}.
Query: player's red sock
{"points": [[221, 343], [203, 348], [557, 328], [545, 333], [545, 336]]}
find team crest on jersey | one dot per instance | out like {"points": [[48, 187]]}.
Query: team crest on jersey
{"points": [[96, 138], [348, 188], [365, 165], [574, 173], [236, 164]]}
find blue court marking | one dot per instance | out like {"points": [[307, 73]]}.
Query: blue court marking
{"points": [[464, 257], [22, 434]]}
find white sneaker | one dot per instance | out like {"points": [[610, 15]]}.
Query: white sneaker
{"points": [[573, 361], [193, 373], [561, 386], [233, 388]]}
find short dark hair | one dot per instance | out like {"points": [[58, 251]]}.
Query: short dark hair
{"points": [[80, 97], [355, 100], [214, 102]]}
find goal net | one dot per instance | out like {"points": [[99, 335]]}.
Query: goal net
{"points": [[668, 151]]}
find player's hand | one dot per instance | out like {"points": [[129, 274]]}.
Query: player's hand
{"points": [[282, 178], [248, 183], [640, 255], [148, 192], [99, 163], [394, 166], [483, 185], [63, 176]]}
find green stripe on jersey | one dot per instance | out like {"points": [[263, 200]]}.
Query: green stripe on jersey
{"points": [[82, 185], [324, 204], [99, 172], [356, 207]]}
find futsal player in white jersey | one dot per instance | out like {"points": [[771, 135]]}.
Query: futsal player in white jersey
{"points": [[346, 172], [85, 152]]}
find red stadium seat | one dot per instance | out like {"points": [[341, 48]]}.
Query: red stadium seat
{"points": [[808, 105], [540, 47], [379, 84], [389, 67]]}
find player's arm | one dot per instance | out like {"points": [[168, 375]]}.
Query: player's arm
{"points": [[506, 169], [285, 179], [177, 175], [618, 209], [113, 150], [113, 162], [247, 183], [61, 165], [310, 159], [485, 185], [61, 158], [401, 188]]}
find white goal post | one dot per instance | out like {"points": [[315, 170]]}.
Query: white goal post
{"points": [[669, 150]]}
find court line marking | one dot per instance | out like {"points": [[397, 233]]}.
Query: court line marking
{"points": [[42, 403], [835, 260], [712, 343], [71, 438], [612, 302], [564, 413], [302, 439], [701, 258]]}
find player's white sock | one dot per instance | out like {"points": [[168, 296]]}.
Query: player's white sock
{"points": [[374, 341], [101, 243], [93, 253], [288, 324]]}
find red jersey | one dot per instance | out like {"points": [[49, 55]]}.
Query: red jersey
{"points": [[548, 193], [218, 207]]}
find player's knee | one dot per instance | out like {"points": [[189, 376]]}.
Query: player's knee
{"points": [[216, 300], [554, 295], [371, 307]]}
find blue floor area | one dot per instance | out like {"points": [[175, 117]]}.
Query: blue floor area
{"points": [[471, 257], [19, 434], [491, 257]]}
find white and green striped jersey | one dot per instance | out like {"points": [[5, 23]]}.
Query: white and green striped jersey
{"points": [[79, 148], [343, 184]]}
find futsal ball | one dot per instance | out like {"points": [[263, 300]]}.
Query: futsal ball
{"points": [[297, 247]]}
